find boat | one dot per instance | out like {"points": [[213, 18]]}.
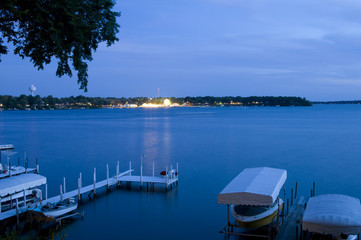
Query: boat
{"points": [[254, 196], [6, 147], [332, 216], [58, 209], [252, 217]]}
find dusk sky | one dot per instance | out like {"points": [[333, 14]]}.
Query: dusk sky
{"points": [[303, 48]]}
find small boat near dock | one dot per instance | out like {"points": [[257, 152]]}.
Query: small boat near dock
{"points": [[58, 209], [332, 216], [254, 196], [6, 147]]}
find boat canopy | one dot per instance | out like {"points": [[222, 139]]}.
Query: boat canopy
{"points": [[333, 214], [19, 183], [254, 186]]}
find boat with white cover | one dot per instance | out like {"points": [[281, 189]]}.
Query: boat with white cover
{"points": [[253, 196], [332, 216]]}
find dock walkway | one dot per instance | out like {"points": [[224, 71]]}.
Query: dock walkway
{"points": [[288, 228], [169, 179], [107, 182]]}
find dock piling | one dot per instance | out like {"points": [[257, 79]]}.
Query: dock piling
{"points": [[17, 213], [37, 165], [64, 186], [117, 172], [95, 180], [46, 191], [107, 176], [141, 171], [79, 187], [24, 195], [130, 168], [61, 193]]}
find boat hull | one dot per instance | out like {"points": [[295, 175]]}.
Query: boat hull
{"points": [[260, 220], [58, 213]]}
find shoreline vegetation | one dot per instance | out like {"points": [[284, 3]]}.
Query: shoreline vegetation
{"points": [[24, 102]]}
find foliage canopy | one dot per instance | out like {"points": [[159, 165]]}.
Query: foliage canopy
{"points": [[69, 30]]}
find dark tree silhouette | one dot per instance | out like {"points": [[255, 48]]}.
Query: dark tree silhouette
{"points": [[66, 30]]}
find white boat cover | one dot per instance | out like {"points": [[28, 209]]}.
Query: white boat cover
{"points": [[254, 186], [20, 182], [333, 214]]}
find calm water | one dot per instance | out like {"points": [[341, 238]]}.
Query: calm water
{"points": [[211, 145]]}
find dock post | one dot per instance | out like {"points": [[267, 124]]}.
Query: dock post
{"points": [[130, 168], [64, 186], [9, 165], [228, 215], [291, 197], [24, 197], [166, 173], [107, 177], [117, 174], [17, 213], [81, 180], [296, 191], [79, 197], [177, 173], [141, 171], [26, 164], [284, 193], [37, 165], [46, 191], [61, 193], [95, 180], [153, 168]]}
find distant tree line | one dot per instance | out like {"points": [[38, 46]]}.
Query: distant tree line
{"points": [[24, 102]]}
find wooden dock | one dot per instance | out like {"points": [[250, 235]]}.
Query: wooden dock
{"points": [[290, 229], [168, 180]]}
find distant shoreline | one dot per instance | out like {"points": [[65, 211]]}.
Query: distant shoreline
{"points": [[24, 102], [337, 102]]}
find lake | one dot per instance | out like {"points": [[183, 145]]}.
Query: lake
{"points": [[212, 145]]}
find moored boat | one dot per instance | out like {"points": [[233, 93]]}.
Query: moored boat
{"points": [[6, 147], [332, 216], [254, 196], [58, 209], [252, 217]]}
